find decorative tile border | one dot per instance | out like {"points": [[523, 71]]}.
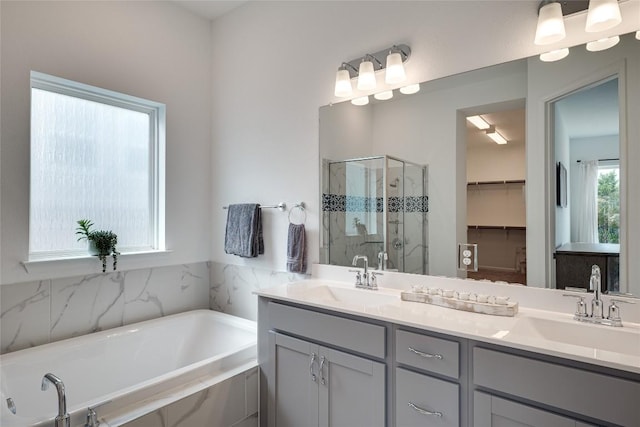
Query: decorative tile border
{"points": [[343, 203]]}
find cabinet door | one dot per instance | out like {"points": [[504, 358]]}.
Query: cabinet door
{"points": [[352, 390], [293, 387], [492, 411]]}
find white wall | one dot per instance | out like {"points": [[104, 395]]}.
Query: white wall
{"points": [[276, 63], [153, 50]]}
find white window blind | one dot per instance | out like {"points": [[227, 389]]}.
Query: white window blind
{"points": [[95, 154]]}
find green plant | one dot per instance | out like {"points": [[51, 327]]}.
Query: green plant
{"points": [[104, 241]]}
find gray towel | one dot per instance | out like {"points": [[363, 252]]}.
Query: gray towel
{"points": [[296, 262], [243, 235]]}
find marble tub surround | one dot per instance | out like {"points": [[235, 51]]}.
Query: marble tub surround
{"points": [[232, 287], [544, 323], [35, 313]]}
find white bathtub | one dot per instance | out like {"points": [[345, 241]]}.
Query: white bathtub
{"points": [[139, 368]]}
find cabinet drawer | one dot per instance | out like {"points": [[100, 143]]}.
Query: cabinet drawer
{"points": [[425, 394], [570, 389], [350, 334], [431, 354]]}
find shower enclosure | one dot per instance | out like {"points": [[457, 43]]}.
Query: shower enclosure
{"points": [[375, 206]]}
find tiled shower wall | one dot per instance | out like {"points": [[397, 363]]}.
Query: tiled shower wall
{"points": [[35, 313]]}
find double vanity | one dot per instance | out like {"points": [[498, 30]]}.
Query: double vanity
{"points": [[332, 354]]}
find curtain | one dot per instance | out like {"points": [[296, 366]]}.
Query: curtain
{"points": [[585, 214]]}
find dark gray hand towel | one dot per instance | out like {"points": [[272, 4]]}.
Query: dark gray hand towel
{"points": [[243, 236], [296, 262]]}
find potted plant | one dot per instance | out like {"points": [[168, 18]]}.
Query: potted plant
{"points": [[101, 243]]}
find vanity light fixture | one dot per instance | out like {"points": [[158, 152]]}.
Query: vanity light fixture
{"points": [[383, 96], [366, 74], [478, 122], [554, 55], [497, 138], [391, 60], [395, 67], [343, 87], [363, 100], [603, 44], [602, 15], [550, 27], [410, 89]]}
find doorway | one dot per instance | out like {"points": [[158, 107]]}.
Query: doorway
{"points": [[496, 197]]}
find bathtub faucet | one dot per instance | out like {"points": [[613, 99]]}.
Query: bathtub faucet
{"points": [[63, 419]]}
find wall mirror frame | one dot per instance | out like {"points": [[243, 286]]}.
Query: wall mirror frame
{"points": [[428, 128]]}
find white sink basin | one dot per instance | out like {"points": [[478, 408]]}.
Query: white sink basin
{"points": [[348, 296], [606, 338]]}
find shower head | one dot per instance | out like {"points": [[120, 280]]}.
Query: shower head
{"points": [[394, 183]]}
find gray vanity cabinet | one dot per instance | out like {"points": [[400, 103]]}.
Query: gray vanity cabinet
{"points": [[312, 385]]}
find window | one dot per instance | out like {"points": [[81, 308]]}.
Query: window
{"points": [[95, 154], [609, 203]]}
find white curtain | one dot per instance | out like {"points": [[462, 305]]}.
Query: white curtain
{"points": [[585, 213]]}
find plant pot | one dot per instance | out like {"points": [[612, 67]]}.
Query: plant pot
{"points": [[92, 249]]}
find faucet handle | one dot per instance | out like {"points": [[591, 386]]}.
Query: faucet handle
{"points": [[581, 306], [373, 284], [358, 277], [92, 415], [614, 311]]}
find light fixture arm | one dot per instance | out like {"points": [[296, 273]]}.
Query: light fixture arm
{"points": [[374, 60], [350, 68]]}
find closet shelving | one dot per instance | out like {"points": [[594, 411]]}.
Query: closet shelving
{"points": [[472, 184]]}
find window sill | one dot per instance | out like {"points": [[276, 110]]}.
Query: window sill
{"points": [[90, 263]]}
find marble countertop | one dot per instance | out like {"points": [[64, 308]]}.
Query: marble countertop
{"points": [[546, 332]]}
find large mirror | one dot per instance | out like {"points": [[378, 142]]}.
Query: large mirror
{"points": [[436, 180]]}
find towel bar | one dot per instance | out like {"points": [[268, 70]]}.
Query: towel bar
{"points": [[282, 206]]}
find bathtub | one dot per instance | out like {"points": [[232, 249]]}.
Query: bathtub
{"points": [[137, 368]]}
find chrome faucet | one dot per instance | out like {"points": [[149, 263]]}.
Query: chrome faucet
{"points": [[63, 419], [382, 260], [597, 316], [365, 275], [594, 285], [366, 280]]}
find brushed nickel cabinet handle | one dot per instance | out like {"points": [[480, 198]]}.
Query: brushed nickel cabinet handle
{"points": [[424, 411], [425, 355], [313, 359]]}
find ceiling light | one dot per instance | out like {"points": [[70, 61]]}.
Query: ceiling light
{"points": [[343, 87], [366, 76], [478, 122], [497, 138], [602, 15], [410, 89], [554, 55], [602, 44], [550, 27], [363, 100], [395, 69], [383, 96]]}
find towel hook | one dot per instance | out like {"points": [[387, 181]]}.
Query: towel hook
{"points": [[301, 207]]}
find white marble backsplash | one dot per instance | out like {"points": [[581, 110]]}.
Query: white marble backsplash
{"points": [[232, 287], [36, 313]]}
